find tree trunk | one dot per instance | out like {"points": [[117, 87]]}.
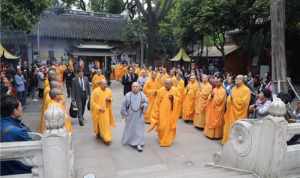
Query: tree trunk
{"points": [[279, 74], [153, 40]]}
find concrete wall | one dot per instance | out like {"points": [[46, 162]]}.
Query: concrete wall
{"points": [[58, 46]]}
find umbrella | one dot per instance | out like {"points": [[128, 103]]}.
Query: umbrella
{"points": [[181, 55], [5, 54]]}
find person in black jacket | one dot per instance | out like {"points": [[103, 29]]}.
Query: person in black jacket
{"points": [[128, 79], [69, 75]]}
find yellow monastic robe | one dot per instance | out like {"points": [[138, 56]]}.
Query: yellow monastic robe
{"points": [[102, 120], [164, 116], [202, 99], [161, 79], [179, 85], [96, 79], [137, 71], [123, 71], [60, 72], [150, 89], [215, 114], [116, 72], [188, 108], [236, 108]]}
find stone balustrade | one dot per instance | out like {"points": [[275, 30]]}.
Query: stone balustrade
{"points": [[260, 145], [50, 154]]}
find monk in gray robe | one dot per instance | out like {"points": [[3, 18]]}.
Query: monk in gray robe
{"points": [[133, 108]]}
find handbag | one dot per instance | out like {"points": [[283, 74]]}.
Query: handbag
{"points": [[73, 110]]}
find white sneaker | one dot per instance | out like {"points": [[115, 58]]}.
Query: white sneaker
{"points": [[35, 100]]}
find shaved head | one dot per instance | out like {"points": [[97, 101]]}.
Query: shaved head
{"points": [[135, 87], [204, 77], [168, 84], [239, 80], [153, 75], [103, 84]]}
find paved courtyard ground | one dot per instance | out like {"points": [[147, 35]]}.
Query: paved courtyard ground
{"points": [[187, 156]]}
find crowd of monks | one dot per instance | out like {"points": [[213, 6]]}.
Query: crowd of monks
{"points": [[202, 101]]}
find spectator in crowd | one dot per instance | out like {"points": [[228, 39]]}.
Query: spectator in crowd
{"points": [[228, 85], [128, 79], [33, 81], [20, 86], [69, 75], [12, 130], [296, 112], [296, 115], [262, 104], [40, 80], [142, 79], [6, 87]]}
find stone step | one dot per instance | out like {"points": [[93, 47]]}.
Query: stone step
{"points": [[205, 172], [294, 173]]}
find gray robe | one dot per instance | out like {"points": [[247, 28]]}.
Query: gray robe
{"points": [[134, 132]]}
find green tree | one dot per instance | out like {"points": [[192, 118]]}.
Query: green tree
{"points": [[114, 6], [153, 12], [21, 15], [97, 5]]}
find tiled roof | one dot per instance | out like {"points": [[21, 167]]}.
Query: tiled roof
{"points": [[81, 26], [212, 51]]}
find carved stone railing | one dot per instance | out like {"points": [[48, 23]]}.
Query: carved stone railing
{"points": [[260, 145], [50, 154]]}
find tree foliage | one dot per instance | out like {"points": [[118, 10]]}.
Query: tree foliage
{"points": [[21, 15], [153, 12]]}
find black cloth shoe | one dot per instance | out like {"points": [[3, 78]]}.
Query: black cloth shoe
{"points": [[81, 122]]}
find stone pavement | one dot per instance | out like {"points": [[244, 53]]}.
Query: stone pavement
{"points": [[186, 158]]}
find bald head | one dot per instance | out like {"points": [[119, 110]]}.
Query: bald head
{"points": [[103, 84], [153, 75], [239, 80], [204, 77], [168, 84], [135, 87], [192, 77]]}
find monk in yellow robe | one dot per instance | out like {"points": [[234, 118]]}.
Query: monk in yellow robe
{"points": [[237, 106], [202, 98], [163, 75], [97, 78], [60, 69], [188, 108], [215, 112], [179, 85], [123, 71], [150, 89], [101, 109], [164, 117]]}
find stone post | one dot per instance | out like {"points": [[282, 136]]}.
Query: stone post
{"points": [[56, 144], [259, 145]]}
